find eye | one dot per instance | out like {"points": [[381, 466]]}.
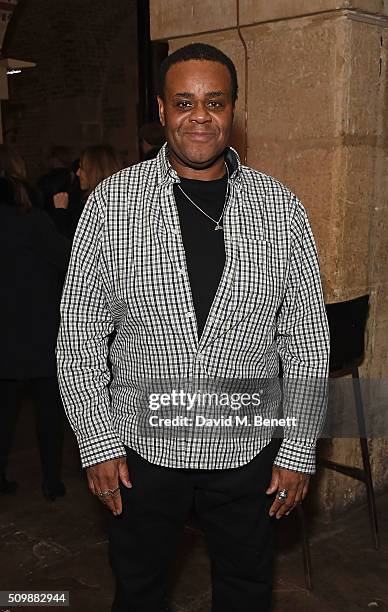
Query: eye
{"points": [[215, 104], [184, 104]]}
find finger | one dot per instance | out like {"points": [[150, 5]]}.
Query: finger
{"points": [[283, 483], [104, 478], [116, 497], [111, 483], [279, 503], [297, 501], [274, 482], [103, 482], [305, 489], [91, 486], [112, 501], [292, 487], [286, 505], [124, 474], [108, 502], [301, 492]]}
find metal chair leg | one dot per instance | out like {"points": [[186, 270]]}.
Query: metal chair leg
{"points": [[365, 457], [306, 547]]}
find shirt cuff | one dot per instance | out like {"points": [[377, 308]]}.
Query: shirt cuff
{"points": [[100, 448], [298, 456]]}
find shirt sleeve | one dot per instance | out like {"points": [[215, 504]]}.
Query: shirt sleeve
{"points": [[82, 345], [303, 344]]}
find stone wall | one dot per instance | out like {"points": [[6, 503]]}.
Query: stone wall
{"points": [[317, 97], [84, 88]]}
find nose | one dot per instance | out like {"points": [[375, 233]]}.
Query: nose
{"points": [[78, 171], [200, 113]]}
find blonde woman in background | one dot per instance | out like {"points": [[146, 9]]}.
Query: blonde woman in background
{"points": [[97, 163]]}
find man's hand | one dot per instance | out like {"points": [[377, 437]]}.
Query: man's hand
{"points": [[297, 485], [106, 476]]}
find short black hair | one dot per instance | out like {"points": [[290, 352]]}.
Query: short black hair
{"points": [[198, 51]]}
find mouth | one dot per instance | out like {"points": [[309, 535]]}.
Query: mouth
{"points": [[200, 136]]}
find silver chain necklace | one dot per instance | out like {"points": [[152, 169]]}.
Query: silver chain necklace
{"points": [[218, 226]]}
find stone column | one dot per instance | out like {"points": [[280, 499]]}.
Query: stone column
{"points": [[317, 121]]}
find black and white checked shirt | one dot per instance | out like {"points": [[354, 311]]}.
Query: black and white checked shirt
{"points": [[128, 275]]}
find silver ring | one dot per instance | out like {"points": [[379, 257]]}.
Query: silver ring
{"points": [[282, 495]]}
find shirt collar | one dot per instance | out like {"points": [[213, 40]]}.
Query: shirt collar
{"points": [[166, 173]]}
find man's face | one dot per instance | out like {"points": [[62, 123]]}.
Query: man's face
{"points": [[197, 111]]}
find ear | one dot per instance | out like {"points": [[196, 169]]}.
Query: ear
{"points": [[161, 111]]}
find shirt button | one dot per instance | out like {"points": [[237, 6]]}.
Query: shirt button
{"points": [[189, 314], [181, 271], [175, 232]]}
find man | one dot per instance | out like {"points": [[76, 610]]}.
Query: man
{"points": [[206, 270]]}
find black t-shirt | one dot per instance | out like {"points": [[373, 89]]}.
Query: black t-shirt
{"points": [[204, 246]]}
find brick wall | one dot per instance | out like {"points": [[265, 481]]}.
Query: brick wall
{"points": [[84, 88], [7, 8]]}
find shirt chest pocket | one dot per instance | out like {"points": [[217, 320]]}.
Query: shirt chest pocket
{"points": [[259, 275]]}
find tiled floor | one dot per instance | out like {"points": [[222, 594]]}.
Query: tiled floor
{"points": [[63, 545]]}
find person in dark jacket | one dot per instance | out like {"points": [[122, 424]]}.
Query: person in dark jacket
{"points": [[33, 260], [61, 199]]}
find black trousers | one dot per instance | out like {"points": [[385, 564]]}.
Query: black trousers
{"points": [[49, 421], [232, 508]]}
